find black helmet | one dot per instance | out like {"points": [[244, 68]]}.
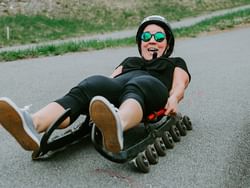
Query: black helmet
{"points": [[162, 22]]}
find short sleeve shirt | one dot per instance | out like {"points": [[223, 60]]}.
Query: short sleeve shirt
{"points": [[161, 68]]}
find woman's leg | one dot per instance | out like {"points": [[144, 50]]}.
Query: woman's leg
{"points": [[140, 99], [25, 127], [130, 113], [113, 122], [46, 116], [148, 91], [77, 100], [142, 95]]}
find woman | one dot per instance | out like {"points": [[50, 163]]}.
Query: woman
{"points": [[137, 87]]}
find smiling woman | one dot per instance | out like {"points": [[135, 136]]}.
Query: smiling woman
{"points": [[152, 47], [163, 41], [116, 103]]}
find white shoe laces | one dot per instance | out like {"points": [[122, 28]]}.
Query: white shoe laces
{"points": [[116, 109], [26, 108]]}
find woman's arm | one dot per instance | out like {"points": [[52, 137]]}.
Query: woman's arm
{"points": [[116, 72], [180, 83]]}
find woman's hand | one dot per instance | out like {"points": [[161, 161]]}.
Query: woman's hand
{"points": [[180, 82], [172, 106], [116, 72]]}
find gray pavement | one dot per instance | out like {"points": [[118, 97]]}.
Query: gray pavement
{"points": [[216, 154], [129, 33]]}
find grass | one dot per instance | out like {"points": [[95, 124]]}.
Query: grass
{"points": [[216, 23], [213, 24], [52, 50]]}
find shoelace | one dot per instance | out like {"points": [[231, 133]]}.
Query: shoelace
{"points": [[113, 106], [26, 108], [116, 109]]}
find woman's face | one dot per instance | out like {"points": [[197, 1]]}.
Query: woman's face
{"points": [[152, 46]]}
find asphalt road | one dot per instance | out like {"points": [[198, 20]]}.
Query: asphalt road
{"points": [[216, 154]]}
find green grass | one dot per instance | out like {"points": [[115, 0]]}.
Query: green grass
{"points": [[34, 29], [52, 50], [217, 23]]}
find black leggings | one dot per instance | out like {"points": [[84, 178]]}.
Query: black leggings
{"points": [[151, 93]]}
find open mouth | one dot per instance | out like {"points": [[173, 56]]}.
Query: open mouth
{"points": [[152, 49]]}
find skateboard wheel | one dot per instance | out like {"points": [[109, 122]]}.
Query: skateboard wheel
{"points": [[152, 154], [187, 122], [175, 133], [142, 163], [168, 140], [182, 128], [160, 147]]}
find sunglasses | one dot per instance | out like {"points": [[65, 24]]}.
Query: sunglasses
{"points": [[159, 36]]}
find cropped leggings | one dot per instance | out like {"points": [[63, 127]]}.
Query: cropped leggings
{"points": [[151, 93]]}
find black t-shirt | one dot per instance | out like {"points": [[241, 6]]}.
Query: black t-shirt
{"points": [[161, 68]]}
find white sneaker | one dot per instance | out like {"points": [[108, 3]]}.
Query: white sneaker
{"points": [[107, 120], [19, 124]]}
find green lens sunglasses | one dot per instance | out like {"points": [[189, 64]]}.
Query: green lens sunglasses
{"points": [[158, 36]]}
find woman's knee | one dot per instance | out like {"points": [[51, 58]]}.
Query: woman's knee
{"points": [[151, 93], [92, 80], [148, 85]]}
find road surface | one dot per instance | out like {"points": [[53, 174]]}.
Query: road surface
{"points": [[215, 154]]}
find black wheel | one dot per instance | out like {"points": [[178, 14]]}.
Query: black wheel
{"points": [[152, 154], [142, 163], [182, 128], [168, 140], [160, 147], [175, 133], [187, 122]]}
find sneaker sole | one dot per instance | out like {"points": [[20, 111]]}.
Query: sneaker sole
{"points": [[105, 120], [12, 121]]}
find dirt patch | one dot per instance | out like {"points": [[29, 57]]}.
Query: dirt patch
{"points": [[79, 8]]}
